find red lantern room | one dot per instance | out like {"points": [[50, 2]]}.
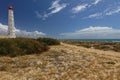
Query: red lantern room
{"points": [[10, 8]]}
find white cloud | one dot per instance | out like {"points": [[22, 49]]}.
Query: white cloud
{"points": [[96, 2], [96, 15], [55, 8], [97, 32], [79, 8], [114, 11], [107, 12], [3, 29], [21, 33], [44, 16]]}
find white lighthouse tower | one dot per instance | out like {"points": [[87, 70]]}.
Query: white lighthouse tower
{"points": [[11, 26]]}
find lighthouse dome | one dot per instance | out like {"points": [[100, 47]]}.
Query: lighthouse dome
{"points": [[10, 8]]}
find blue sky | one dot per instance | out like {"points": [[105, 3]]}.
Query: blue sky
{"points": [[64, 18]]}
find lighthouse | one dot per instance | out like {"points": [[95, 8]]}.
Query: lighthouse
{"points": [[11, 26]]}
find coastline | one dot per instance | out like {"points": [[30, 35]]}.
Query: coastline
{"points": [[92, 40]]}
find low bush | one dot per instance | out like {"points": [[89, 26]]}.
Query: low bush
{"points": [[103, 47], [86, 45], [20, 46], [48, 41], [117, 47]]}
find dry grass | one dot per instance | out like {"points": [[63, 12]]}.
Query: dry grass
{"points": [[106, 46], [63, 62], [3, 36]]}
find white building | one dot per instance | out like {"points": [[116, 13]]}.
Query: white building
{"points": [[11, 26]]}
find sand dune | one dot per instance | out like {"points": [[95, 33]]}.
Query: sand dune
{"points": [[63, 62]]}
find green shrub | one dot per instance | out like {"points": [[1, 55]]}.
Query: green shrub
{"points": [[104, 47], [20, 46], [117, 47], [48, 41]]}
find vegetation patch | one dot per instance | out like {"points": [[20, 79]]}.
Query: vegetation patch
{"points": [[114, 46], [49, 41], [20, 46]]}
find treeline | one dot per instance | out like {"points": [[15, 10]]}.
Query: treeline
{"points": [[24, 46]]}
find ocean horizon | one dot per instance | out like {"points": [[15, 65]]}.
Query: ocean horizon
{"points": [[94, 40]]}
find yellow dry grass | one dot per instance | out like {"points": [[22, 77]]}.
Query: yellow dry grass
{"points": [[63, 62], [3, 36]]}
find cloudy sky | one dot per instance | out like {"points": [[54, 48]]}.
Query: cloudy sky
{"points": [[71, 19]]}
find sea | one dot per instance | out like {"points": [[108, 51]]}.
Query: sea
{"points": [[94, 40]]}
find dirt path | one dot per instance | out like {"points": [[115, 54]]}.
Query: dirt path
{"points": [[63, 62]]}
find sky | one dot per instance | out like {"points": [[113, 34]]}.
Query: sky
{"points": [[63, 19]]}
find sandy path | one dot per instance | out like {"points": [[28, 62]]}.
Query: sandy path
{"points": [[63, 62]]}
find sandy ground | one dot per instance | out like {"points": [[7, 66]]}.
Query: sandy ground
{"points": [[63, 62]]}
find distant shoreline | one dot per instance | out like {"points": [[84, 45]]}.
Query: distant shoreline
{"points": [[92, 40]]}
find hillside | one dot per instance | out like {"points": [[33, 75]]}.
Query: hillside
{"points": [[63, 62]]}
